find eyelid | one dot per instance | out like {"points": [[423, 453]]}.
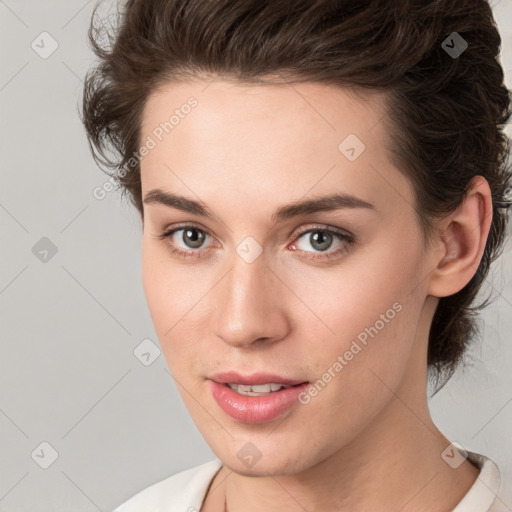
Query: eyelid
{"points": [[182, 225], [322, 227], [295, 234]]}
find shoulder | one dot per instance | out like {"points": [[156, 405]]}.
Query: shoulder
{"points": [[183, 492], [486, 494], [503, 500]]}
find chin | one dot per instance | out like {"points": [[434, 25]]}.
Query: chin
{"points": [[273, 465]]}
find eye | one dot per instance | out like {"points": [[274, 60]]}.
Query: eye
{"points": [[321, 239], [192, 236]]}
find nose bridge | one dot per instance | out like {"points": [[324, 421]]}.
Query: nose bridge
{"points": [[244, 289], [245, 303]]}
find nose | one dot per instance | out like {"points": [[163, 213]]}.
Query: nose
{"points": [[250, 305]]}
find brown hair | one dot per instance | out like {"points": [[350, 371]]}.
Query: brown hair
{"points": [[446, 112]]}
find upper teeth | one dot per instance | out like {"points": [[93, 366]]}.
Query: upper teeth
{"points": [[256, 389]]}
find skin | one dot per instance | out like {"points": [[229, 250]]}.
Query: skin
{"points": [[366, 441]]}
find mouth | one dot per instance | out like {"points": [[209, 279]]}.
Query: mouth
{"points": [[256, 398], [255, 382], [258, 389]]}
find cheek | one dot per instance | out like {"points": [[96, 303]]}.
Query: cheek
{"points": [[365, 358], [176, 296], [350, 297], [168, 287], [163, 293], [155, 284], [365, 311]]}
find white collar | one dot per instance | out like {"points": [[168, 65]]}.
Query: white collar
{"points": [[483, 492]]}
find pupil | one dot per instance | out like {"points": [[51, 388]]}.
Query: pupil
{"points": [[323, 236], [196, 241]]}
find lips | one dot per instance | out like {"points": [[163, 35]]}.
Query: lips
{"points": [[254, 379], [255, 407]]}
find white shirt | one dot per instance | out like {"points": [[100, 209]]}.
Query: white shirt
{"points": [[185, 491]]}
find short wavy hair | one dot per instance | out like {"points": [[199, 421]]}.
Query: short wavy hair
{"points": [[446, 112]]}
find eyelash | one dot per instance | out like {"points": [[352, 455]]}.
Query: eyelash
{"points": [[343, 237]]}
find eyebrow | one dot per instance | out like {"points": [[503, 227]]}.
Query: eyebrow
{"points": [[324, 203]]}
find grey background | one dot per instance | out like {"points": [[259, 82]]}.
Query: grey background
{"points": [[69, 326]]}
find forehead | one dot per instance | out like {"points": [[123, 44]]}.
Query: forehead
{"points": [[323, 107], [290, 138]]}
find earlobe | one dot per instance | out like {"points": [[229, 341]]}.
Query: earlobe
{"points": [[463, 238]]}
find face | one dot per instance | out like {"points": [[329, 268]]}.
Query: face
{"points": [[330, 298]]}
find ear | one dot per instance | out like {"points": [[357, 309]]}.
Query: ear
{"points": [[462, 238]]}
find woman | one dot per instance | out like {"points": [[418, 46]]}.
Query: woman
{"points": [[322, 189]]}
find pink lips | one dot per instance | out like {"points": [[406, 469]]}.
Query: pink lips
{"points": [[255, 378], [255, 409]]}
